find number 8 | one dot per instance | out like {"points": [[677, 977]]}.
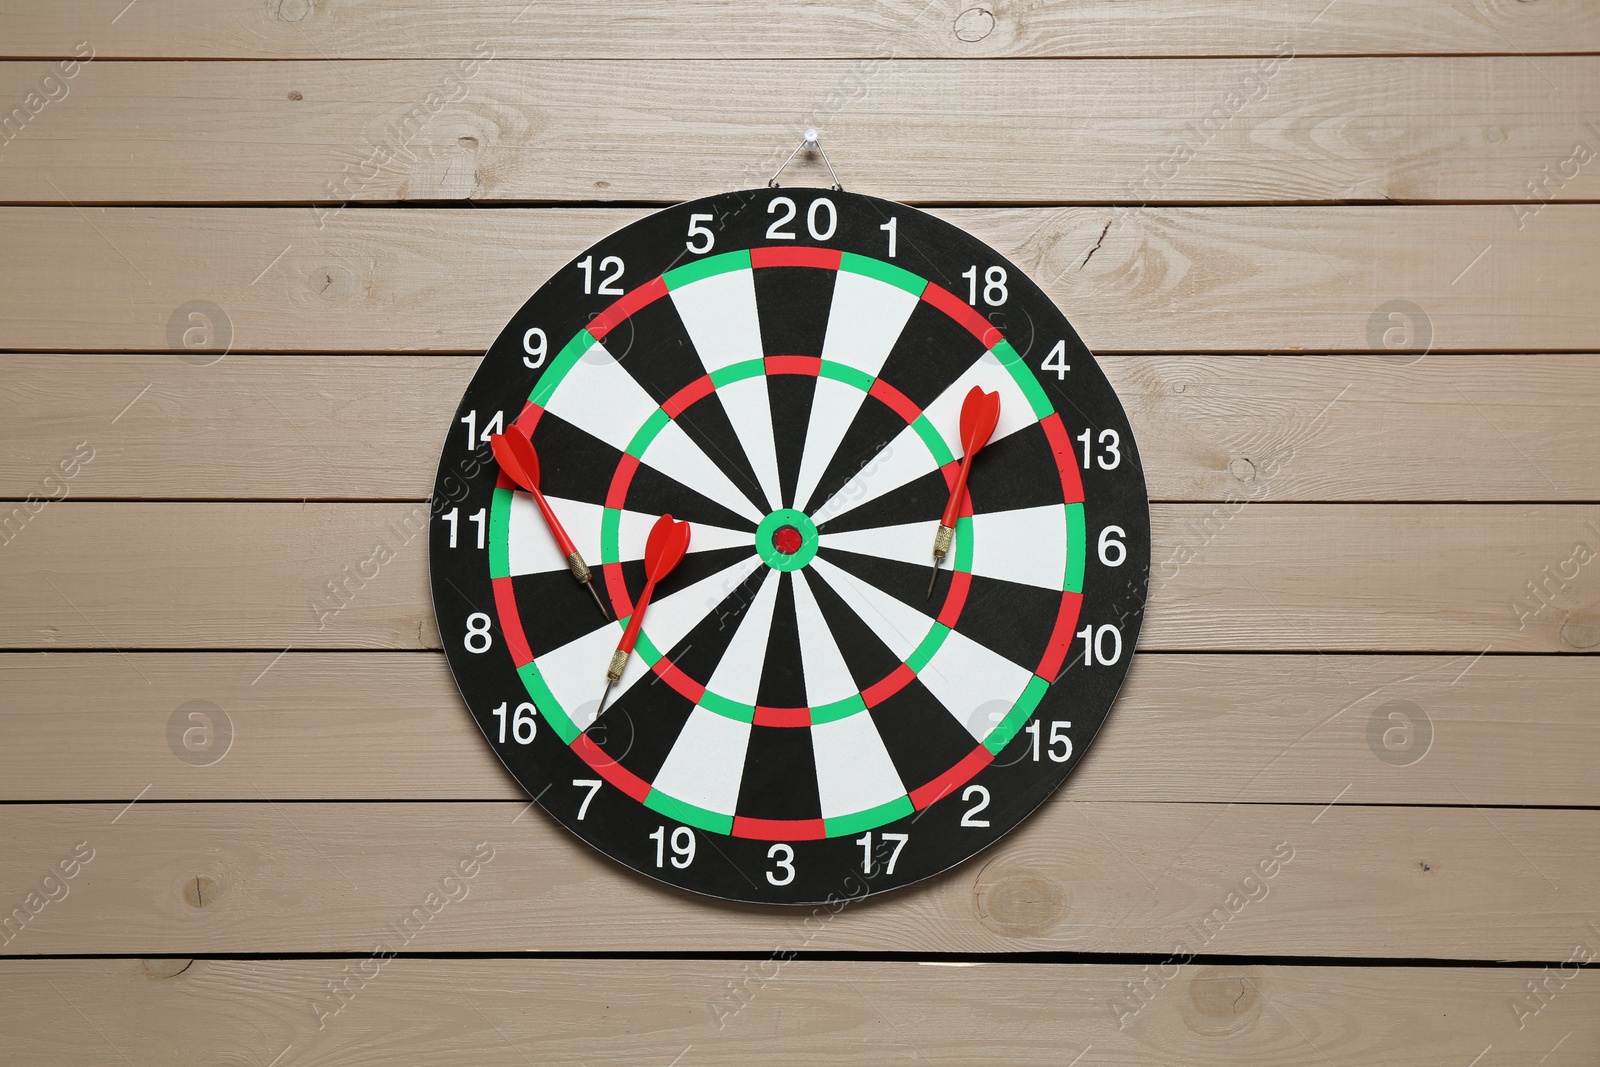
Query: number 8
{"points": [[478, 626]]}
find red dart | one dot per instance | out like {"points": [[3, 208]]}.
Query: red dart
{"points": [[663, 550], [979, 413], [516, 456]]}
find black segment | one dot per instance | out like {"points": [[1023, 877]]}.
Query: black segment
{"points": [[640, 727], [556, 619], [783, 683], [654, 347], [653, 493], [573, 464], [1012, 620], [706, 424], [780, 775], [905, 582], [923, 739], [931, 352], [792, 304], [790, 396], [869, 659], [874, 428], [698, 654], [695, 566]]}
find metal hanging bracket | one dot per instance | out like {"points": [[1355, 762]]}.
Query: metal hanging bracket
{"points": [[809, 140]]}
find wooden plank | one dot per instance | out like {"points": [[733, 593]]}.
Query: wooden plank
{"points": [[790, 29], [1279, 428], [1142, 131], [1214, 728], [1450, 882], [629, 1012], [1224, 577], [1186, 279]]}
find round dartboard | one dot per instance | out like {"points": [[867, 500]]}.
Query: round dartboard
{"points": [[807, 708]]}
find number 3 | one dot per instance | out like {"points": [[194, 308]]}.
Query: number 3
{"points": [[784, 855]]}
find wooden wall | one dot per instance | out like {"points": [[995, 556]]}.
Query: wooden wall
{"points": [[1340, 258]]}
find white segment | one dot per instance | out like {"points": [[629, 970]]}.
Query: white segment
{"points": [[854, 771], [706, 763], [903, 460], [750, 412], [680, 459], [738, 673], [975, 685], [910, 542], [833, 409], [634, 530], [720, 314], [576, 672], [827, 677], [864, 321], [1028, 545], [897, 624], [603, 400], [1015, 411], [531, 548]]}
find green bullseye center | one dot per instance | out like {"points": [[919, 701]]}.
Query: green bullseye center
{"points": [[787, 539]]}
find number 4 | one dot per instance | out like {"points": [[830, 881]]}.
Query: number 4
{"points": [[1057, 361]]}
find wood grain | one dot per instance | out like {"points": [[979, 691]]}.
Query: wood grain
{"points": [[1408, 882], [1224, 577], [791, 29], [625, 1013], [1213, 728], [1246, 279], [1272, 428], [1053, 131]]}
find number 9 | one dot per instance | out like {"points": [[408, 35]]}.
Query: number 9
{"points": [[534, 349]]}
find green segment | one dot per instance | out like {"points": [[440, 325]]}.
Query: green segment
{"points": [[1077, 548], [749, 368], [653, 425], [610, 524], [1019, 714], [930, 644], [499, 534], [731, 709], [869, 819], [843, 372], [705, 268], [884, 272], [935, 443], [574, 350], [775, 522], [678, 811], [839, 709], [547, 703], [963, 560]]}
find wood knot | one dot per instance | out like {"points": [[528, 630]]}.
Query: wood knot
{"points": [[1582, 630], [1018, 903], [974, 24], [200, 891], [1242, 468], [1223, 1000], [293, 10], [166, 968], [295, 94]]}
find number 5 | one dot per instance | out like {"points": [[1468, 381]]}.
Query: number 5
{"points": [[697, 230]]}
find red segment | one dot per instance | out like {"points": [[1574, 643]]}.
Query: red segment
{"points": [[951, 780], [505, 605], [987, 333], [1066, 458], [789, 256], [685, 685], [787, 540], [617, 590], [626, 467], [810, 366], [1055, 653], [610, 769], [895, 399], [698, 389], [529, 419], [956, 599], [626, 305], [782, 716], [897, 680], [779, 829]]}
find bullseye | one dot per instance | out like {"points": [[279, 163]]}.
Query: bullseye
{"points": [[787, 540]]}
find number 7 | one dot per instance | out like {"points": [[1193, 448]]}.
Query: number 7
{"points": [[593, 786]]}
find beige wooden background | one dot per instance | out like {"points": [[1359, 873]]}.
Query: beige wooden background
{"points": [[250, 251]]}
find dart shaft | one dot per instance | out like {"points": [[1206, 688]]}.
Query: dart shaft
{"points": [[559, 532], [952, 510]]}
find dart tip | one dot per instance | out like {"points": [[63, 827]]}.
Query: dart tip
{"points": [[933, 580], [602, 709], [601, 604]]}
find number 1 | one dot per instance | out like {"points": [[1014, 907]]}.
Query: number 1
{"points": [[890, 227]]}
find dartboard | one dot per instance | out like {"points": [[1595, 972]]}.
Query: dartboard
{"points": [[829, 505]]}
